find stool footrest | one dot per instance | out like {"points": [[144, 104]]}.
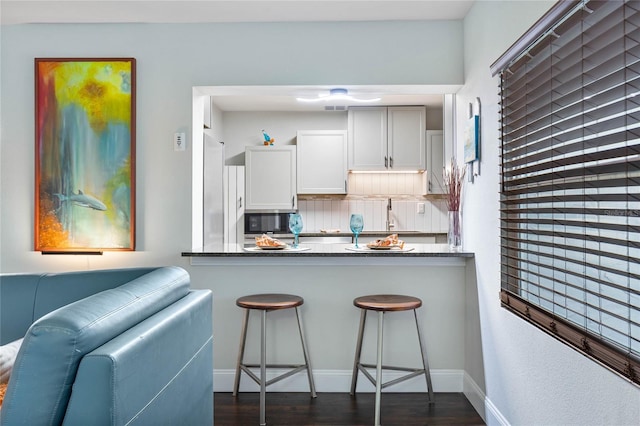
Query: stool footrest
{"points": [[413, 372], [295, 369]]}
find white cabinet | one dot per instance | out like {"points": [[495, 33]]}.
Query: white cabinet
{"points": [[367, 138], [322, 161], [435, 161], [406, 127], [387, 138], [270, 178], [234, 204]]}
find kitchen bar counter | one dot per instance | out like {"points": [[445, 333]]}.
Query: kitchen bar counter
{"points": [[326, 250], [322, 253], [363, 234]]}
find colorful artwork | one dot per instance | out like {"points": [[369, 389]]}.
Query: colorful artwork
{"points": [[85, 154], [472, 139]]}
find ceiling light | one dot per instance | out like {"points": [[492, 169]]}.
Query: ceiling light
{"points": [[337, 95]]}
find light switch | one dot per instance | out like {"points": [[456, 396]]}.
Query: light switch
{"points": [[420, 209], [179, 140]]}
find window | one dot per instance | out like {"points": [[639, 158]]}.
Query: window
{"points": [[570, 179]]}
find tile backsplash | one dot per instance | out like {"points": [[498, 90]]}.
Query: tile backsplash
{"points": [[368, 195], [330, 214]]}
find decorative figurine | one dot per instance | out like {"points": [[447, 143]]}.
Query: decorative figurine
{"points": [[268, 140]]}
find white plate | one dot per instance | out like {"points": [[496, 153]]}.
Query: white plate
{"points": [[381, 247], [385, 249], [282, 247], [286, 248]]}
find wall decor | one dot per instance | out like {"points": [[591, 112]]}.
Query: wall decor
{"points": [[85, 154], [472, 141]]}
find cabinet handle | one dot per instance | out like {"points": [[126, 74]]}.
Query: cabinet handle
{"points": [[240, 206], [390, 162], [429, 186], [385, 162], [293, 201], [345, 185]]}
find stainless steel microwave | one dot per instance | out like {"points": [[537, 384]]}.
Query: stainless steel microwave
{"points": [[266, 223]]}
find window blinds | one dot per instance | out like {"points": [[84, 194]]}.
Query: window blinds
{"points": [[570, 181]]}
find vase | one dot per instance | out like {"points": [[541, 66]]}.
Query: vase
{"points": [[454, 235]]}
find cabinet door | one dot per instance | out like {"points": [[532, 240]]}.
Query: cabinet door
{"points": [[270, 178], [322, 161], [407, 127], [234, 205], [435, 161], [367, 138]]}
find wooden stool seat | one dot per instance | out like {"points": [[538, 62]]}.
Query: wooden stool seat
{"points": [[387, 302], [270, 301]]}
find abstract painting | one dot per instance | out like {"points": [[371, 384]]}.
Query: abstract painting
{"points": [[472, 139], [85, 154]]}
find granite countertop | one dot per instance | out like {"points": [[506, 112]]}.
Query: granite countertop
{"points": [[365, 234], [326, 250]]}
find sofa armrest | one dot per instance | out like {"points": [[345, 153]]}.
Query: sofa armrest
{"points": [[158, 372]]}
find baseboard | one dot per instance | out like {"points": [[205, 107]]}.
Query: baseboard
{"points": [[475, 395], [340, 381], [494, 416]]}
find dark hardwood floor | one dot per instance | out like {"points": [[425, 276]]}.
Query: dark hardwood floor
{"points": [[342, 409]]}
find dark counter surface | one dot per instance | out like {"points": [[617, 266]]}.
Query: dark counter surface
{"points": [[364, 234], [326, 250]]}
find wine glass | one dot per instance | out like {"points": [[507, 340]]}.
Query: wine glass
{"points": [[295, 225], [356, 223]]}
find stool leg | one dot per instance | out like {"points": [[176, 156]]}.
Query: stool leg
{"points": [[425, 361], [263, 367], [379, 368], [356, 361], [243, 340], [312, 386]]}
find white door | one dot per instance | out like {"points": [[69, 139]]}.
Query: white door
{"points": [[234, 205], [367, 138], [322, 161], [406, 138], [270, 178], [435, 161]]}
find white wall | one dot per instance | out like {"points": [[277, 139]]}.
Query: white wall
{"points": [[530, 378], [171, 60]]}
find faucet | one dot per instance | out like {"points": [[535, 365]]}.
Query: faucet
{"points": [[389, 223]]}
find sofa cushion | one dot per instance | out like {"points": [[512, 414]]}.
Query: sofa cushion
{"points": [[8, 354], [44, 372], [17, 294]]}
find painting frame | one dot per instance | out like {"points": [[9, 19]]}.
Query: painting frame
{"points": [[85, 155]]}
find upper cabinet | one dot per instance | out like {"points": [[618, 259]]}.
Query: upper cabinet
{"points": [[406, 127], [435, 162], [322, 161], [387, 138], [367, 138], [270, 178]]}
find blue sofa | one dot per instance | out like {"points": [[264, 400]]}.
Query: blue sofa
{"points": [[112, 347]]}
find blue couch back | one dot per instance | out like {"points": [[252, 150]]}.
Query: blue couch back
{"points": [[26, 297]]}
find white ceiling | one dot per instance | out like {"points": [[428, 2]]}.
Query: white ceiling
{"points": [[281, 98], [189, 11]]}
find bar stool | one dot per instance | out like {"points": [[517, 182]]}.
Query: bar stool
{"points": [[266, 303], [383, 303]]}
